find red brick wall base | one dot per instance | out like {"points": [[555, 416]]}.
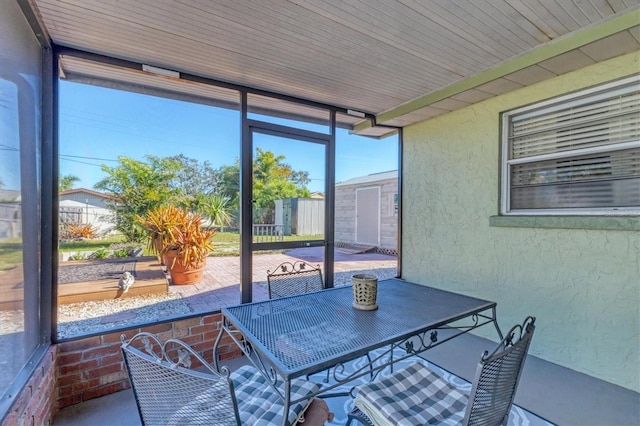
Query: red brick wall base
{"points": [[79, 370], [36, 403]]}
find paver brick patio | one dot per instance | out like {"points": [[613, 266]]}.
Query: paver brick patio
{"points": [[221, 283]]}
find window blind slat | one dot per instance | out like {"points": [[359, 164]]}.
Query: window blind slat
{"points": [[623, 129], [577, 111], [575, 116], [618, 193], [623, 121], [617, 164], [581, 152]]}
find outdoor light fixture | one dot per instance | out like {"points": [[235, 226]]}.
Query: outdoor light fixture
{"points": [[355, 113], [160, 71]]}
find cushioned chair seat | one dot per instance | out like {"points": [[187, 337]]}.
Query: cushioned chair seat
{"points": [[412, 396], [259, 405], [417, 396], [169, 391]]}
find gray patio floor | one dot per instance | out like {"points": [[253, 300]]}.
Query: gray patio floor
{"points": [[556, 394]]}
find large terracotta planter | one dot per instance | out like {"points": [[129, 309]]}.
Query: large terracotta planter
{"points": [[181, 274]]}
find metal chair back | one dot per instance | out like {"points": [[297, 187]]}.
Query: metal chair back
{"points": [[497, 377], [290, 279], [165, 386]]}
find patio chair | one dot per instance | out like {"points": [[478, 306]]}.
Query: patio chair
{"points": [[170, 391], [290, 279], [415, 395]]}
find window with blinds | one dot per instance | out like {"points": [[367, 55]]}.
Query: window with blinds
{"points": [[579, 154]]}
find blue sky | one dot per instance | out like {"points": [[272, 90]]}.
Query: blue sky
{"points": [[97, 125]]}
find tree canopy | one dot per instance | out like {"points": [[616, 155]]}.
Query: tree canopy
{"points": [[66, 182], [139, 186], [273, 179]]}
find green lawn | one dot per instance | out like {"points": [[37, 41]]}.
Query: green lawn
{"points": [[10, 254], [87, 245], [226, 243]]}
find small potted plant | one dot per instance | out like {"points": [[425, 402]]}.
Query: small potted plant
{"points": [[187, 247]]}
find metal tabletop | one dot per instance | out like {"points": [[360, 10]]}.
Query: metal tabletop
{"points": [[305, 334]]}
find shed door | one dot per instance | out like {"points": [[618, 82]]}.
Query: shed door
{"points": [[368, 216]]}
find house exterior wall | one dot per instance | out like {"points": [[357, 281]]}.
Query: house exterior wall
{"points": [[345, 213], [582, 284], [10, 219], [85, 198], [91, 209]]}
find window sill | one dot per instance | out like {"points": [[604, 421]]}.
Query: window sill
{"points": [[610, 223]]}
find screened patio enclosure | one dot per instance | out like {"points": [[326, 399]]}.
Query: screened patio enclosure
{"points": [[302, 133], [443, 79]]}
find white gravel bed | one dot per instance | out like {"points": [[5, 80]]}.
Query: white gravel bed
{"points": [[344, 278], [76, 319], [11, 322], [100, 315]]}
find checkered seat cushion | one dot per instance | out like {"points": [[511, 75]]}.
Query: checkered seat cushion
{"points": [[411, 396], [210, 407], [259, 405]]}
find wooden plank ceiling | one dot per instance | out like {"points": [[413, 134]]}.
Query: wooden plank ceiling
{"points": [[402, 61]]}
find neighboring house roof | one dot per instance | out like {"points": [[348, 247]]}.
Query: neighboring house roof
{"points": [[88, 192], [317, 195], [374, 177]]}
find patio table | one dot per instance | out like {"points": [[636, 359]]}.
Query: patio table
{"points": [[309, 333]]}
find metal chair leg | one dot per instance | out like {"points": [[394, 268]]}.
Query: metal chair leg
{"points": [[359, 416]]}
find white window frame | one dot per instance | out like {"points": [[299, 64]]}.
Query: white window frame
{"points": [[563, 102]]}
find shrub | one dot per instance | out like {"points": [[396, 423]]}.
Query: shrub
{"points": [[123, 252], [122, 249], [74, 231], [101, 253]]}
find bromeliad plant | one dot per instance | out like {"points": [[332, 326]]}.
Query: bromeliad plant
{"points": [[177, 232], [158, 223], [191, 241]]}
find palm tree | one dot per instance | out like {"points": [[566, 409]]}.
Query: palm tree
{"points": [[217, 209], [66, 182]]}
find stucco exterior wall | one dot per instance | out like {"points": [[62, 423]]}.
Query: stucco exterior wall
{"points": [[583, 285]]}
